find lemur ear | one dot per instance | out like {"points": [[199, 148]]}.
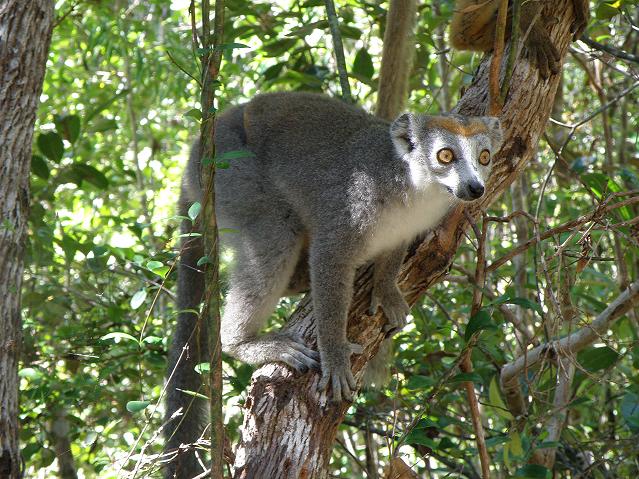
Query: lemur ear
{"points": [[494, 130], [401, 133]]}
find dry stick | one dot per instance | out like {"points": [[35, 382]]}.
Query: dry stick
{"points": [[338, 48], [211, 60], [496, 104], [466, 365]]}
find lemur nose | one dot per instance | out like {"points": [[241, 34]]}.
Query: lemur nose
{"points": [[476, 189]]}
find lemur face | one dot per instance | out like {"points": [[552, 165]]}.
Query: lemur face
{"points": [[452, 151]]}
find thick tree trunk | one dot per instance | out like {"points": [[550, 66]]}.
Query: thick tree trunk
{"points": [[25, 33], [289, 427]]}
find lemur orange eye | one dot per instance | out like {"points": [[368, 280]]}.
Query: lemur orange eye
{"points": [[484, 157], [445, 155]]}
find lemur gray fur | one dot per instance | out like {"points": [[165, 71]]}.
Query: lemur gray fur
{"points": [[328, 188]]}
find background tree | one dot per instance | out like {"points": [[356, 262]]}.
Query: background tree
{"points": [[119, 110], [25, 30]]}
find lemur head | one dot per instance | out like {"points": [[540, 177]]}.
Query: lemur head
{"points": [[452, 151]]}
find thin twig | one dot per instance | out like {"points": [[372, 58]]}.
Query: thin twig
{"points": [[466, 364], [182, 69], [338, 48], [211, 60]]}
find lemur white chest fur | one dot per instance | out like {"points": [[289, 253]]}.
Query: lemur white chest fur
{"points": [[402, 223]]}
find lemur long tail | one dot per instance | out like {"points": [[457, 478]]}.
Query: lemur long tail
{"points": [[188, 348]]}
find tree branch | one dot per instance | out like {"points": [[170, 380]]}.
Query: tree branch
{"points": [[616, 52], [338, 49]]}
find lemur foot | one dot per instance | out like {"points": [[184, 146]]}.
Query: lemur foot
{"points": [[393, 305], [336, 370]]}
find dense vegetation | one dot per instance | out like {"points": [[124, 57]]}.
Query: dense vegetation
{"points": [[119, 108]]}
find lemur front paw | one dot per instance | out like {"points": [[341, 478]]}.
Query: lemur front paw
{"points": [[393, 305], [336, 370]]}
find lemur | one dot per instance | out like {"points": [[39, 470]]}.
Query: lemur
{"points": [[325, 189]]}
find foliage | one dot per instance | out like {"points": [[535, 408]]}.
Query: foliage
{"points": [[118, 109]]}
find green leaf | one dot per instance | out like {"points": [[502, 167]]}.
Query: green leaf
{"points": [[158, 268], [204, 260], [152, 340], [523, 302], [137, 406], [348, 31], [119, 335], [607, 10], [463, 377], [533, 471], [446, 443], [515, 444], [138, 298], [420, 436], [39, 167], [200, 52], [154, 265], [597, 358], [30, 373], [51, 146], [234, 155], [47, 457], [202, 368], [194, 113], [278, 47], [419, 382], [92, 175], [363, 64], [630, 411], [496, 402], [497, 440], [68, 126], [194, 210], [231, 46], [478, 322], [308, 29], [103, 124], [273, 71]]}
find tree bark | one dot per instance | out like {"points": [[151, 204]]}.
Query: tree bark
{"points": [[397, 58], [289, 427], [25, 34]]}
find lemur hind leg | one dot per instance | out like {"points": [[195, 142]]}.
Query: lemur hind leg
{"points": [[267, 252]]}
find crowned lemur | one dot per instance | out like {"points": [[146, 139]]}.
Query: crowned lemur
{"points": [[327, 188]]}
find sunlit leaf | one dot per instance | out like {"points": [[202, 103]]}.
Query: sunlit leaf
{"points": [[138, 298], [136, 406]]}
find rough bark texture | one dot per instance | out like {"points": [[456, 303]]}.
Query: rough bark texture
{"points": [[25, 33], [289, 427]]}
